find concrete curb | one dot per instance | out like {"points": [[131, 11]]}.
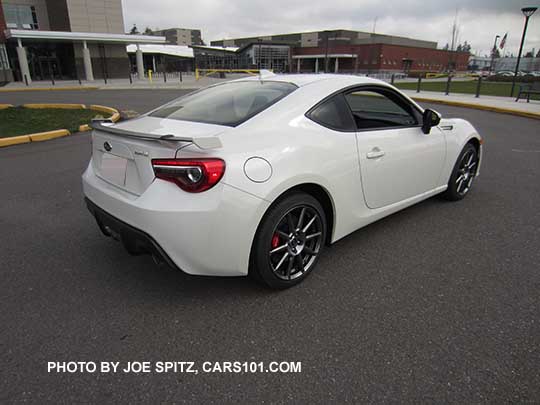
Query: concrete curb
{"points": [[115, 115], [56, 105], [14, 140], [49, 89], [37, 137], [57, 133], [500, 110], [45, 136]]}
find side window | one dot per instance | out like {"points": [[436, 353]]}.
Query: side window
{"points": [[380, 109], [333, 113]]}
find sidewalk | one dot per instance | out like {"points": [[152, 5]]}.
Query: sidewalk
{"points": [[490, 103]]}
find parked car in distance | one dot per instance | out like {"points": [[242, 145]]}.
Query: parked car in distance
{"points": [[258, 175]]}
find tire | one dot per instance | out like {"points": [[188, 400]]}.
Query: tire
{"points": [[289, 241], [463, 174]]}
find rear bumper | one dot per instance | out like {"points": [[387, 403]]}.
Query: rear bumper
{"points": [[134, 240], [207, 233]]}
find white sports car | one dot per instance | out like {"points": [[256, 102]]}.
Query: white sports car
{"points": [[255, 176]]}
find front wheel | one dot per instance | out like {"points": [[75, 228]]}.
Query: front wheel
{"points": [[289, 241], [463, 174]]}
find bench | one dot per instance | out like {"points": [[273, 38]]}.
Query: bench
{"points": [[528, 89]]}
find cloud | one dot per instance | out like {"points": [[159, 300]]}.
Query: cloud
{"points": [[479, 20]]}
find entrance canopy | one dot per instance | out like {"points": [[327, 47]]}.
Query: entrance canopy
{"points": [[322, 55], [83, 37], [335, 56]]}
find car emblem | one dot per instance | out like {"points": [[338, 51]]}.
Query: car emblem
{"points": [[107, 146]]}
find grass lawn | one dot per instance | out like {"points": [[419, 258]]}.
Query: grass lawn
{"points": [[467, 87], [21, 121]]}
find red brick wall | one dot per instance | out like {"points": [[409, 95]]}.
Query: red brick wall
{"points": [[423, 59], [2, 23], [390, 57]]}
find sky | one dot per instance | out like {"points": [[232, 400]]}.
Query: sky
{"points": [[478, 21]]}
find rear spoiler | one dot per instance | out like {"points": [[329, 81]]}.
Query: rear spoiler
{"points": [[210, 142]]}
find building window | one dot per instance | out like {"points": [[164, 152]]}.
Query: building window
{"points": [[4, 62], [20, 17]]}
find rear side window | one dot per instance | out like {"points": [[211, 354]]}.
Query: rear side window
{"points": [[333, 113], [226, 104]]}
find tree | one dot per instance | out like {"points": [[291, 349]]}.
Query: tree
{"points": [[148, 31], [528, 55], [134, 30], [538, 54]]}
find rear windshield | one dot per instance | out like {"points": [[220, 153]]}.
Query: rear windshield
{"points": [[226, 104]]}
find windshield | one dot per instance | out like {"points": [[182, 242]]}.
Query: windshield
{"points": [[226, 104]]}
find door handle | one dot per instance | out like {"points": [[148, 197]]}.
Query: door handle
{"points": [[375, 153]]}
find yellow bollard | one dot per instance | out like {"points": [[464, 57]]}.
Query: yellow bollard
{"points": [[150, 75], [196, 74]]}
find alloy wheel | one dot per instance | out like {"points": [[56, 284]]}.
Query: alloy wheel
{"points": [[466, 172], [296, 242]]}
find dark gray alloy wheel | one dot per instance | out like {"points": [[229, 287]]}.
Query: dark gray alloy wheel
{"points": [[290, 241], [463, 174]]}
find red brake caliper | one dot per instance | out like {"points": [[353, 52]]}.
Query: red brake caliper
{"points": [[275, 241]]}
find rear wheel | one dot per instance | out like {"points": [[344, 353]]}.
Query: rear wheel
{"points": [[289, 241], [463, 174]]}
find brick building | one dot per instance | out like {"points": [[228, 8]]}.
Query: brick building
{"points": [[361, 52], [181, 36]]}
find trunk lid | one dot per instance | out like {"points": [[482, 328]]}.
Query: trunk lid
{"points": [[126, 162]]}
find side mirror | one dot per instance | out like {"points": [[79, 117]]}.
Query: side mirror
{"points": [[430, 119]]}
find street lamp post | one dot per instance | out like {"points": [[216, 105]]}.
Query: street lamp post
{"points": [[493, 50], [527, 12]]}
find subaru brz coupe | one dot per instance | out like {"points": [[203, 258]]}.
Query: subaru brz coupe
{"points": [[258, 175]]}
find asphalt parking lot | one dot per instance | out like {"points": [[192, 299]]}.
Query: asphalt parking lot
{"points": [[438, 303]]}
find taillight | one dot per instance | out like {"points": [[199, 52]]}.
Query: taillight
{"points": [[191, 175]]}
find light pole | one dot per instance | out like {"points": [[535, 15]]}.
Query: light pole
{"points": [[493, 50], [527, 12]]}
